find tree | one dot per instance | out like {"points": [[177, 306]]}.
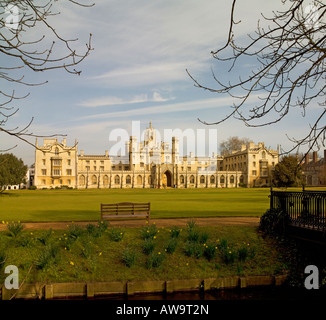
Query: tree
{"points": [[287, 173], [12, 171], [231, 144], [290, 57], [23, 47]]}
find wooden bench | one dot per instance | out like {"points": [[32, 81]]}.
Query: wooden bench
{"points": [[125, 210]]}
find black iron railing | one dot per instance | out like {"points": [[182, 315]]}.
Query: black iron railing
{"points": [[305, 209]]}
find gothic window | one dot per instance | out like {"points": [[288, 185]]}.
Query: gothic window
{"points": [[212, 179], [182, 179], [222, 179], [56, 151], [192, 179], [128, 179], [117, 180], [94, 179], [202, 179], [232, 179], [82, 180], [139, 179], [105, 180]]}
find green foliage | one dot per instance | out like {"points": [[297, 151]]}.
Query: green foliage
{"points": [[86, 248], [243, 253], [116, 234], [148, 246], [129, 257], [194, 249], [15, 228], [24, 241], [171, 245], [149, 231], [75, 231], [175, 231], [12, 170], [210, 251], [191, 224], [97, 230], [3, 258], [155, 260], [47, 256], [288, 173], [228, 256], [45, 237]]}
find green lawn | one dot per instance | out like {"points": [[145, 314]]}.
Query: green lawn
{"points": [[84, 205]]}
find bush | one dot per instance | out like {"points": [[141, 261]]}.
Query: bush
{"points": [[149, 231], [24, 241], [210, 251], [97, 230], [47, 257], [193, 235], [175, 232], [243, 253], [15, 228], [116, 234], [75, 231], [229, 256], [148, 246], [273, 221], [155, 260], [171, 245], [129, 257], [191, 224], [44, 238], [194, 249]]}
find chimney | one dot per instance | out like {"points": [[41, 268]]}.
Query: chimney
{"points": [[314, 156], [306, 159], [81, 152], [106, 153]]}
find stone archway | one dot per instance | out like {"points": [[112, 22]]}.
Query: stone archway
{"points": [[167, 179]]}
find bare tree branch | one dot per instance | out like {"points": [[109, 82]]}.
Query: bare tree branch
{"points": [[38, 54], [290, 53]]}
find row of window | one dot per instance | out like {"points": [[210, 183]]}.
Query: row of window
{"points": [[60, 182], [56, 162], [56, 172], [139, 179]]}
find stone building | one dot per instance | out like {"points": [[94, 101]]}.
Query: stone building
{"points": [[314, 170], [149, 164]]}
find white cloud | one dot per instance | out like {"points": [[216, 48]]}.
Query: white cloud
{"points": [[111, 100], [168, 108]]}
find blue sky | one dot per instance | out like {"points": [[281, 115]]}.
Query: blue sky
{"points": [[137, 72]]}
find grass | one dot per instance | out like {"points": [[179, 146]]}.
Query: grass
{"points": [[61, 256], [84, 205]]}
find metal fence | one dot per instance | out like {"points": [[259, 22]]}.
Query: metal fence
{"points": [[305, 209]]}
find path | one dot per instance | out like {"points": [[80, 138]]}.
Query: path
{"points": [[239, 221]]}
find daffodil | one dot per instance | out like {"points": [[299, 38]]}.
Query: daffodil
{"points": [[72, 263]]}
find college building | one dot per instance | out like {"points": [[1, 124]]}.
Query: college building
{"points": [[148, 164]]}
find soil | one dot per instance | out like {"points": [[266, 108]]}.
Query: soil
{"points": [[239, 221]]}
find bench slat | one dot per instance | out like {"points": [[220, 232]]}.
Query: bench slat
{"points": [[125, 210]]}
